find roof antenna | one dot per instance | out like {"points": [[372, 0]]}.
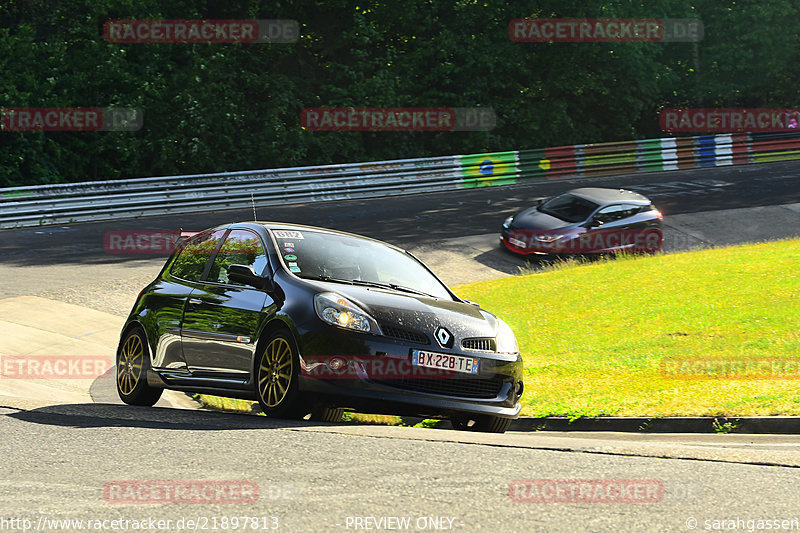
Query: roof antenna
{"points": [[253, 201]]}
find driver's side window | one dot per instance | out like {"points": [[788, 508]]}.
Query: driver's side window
{"points": [[241, 247], [611, 213], [194, 255]]}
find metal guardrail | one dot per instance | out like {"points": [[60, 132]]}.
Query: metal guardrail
{"points": [[53, 204], [102, 200]]}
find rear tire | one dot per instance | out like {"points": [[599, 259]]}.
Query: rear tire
{"points": [[482, 423], [492, 424], [133, 362], [461, 423], [654, 239], [323, 413]]}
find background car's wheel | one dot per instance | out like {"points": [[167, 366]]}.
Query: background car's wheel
{"points": [[323, 413], [277, 369], [484, 423], [133, 362], [654, 240]]}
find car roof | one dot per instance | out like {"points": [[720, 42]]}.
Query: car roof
{"points": [[302, 227], [609, 196]]}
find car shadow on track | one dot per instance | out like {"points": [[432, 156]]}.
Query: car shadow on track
{"points": [[504, 261], [91, 415]]}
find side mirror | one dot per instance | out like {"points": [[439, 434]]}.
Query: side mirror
{"points": [[593, 222], [246, 275]]}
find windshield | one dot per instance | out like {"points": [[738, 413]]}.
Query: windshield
{"points": [[342, 258], [569, 208]]}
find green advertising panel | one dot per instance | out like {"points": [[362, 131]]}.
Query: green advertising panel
{"points": [[481, 170]]}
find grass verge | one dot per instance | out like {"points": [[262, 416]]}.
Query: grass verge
{"points": [[596, 338], [605, 338]]}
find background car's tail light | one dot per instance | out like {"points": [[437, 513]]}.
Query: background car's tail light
{"points": [[658, 213]]}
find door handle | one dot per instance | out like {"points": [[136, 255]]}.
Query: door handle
{"points": [[195, 301]]}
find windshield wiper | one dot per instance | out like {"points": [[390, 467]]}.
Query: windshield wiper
{"points": [[326, 278], [393, 286]]}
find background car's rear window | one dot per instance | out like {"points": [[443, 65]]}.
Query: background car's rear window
{"points": [[568, 207]]}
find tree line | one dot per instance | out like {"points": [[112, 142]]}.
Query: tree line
{"points": [[238, 106]]}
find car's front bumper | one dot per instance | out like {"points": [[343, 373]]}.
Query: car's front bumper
{"points": [[375, 374]]}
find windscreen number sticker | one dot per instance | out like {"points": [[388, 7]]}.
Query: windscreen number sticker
{"points": [[286, 234]]}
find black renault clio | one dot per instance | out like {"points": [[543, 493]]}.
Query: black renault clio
{"points": [[313, 321]]}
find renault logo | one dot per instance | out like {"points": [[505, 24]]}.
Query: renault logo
{"points": [[444, 337]]}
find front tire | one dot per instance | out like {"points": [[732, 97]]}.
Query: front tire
{"points": [[276, 371], [133, 362]]}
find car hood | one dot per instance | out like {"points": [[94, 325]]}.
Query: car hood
{"points": [[420, 313], [532, 218]]}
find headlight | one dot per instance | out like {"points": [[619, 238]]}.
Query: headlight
{"points": [[337, 310], [506, 340], [508, 221]]}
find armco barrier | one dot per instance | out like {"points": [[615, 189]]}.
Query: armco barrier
{"points": [[99, 200]]}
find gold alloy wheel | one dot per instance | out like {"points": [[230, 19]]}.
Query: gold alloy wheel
{"points": [[275, 372], [129, 366]]}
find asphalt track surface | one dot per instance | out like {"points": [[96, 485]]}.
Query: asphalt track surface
{"points": [[318, 477]]}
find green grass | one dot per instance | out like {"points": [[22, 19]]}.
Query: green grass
{"points": [[593, 335], [219, 403]]}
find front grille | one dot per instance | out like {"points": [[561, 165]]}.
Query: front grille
{"points": [[403, 334], [462, 388], [479, 344]]}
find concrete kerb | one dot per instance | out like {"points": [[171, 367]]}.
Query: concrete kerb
{"points": [[786, 425], [37, 327]]}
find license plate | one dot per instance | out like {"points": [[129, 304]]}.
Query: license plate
{"points": [[443, 361], [516, 242]]}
